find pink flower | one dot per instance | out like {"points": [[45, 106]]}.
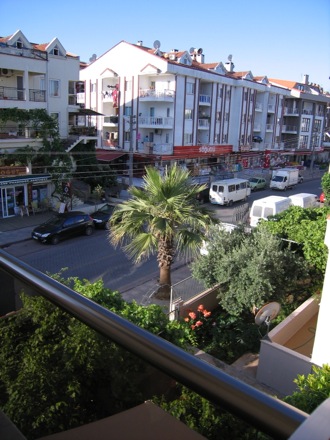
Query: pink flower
{"points": [[193, 327], [200, 308], [187, 319], [199, 323], [206, 314], [192, 315]]}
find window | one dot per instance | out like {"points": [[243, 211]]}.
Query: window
{"points": [[93, 87], [220, 92], [56, 51], [168, 112], [167, 138], [188, 138], [128, 111], [218, 116], [128, 86], [227, 117], [305, 124], [231, 188], [317, 126], [188, 114], [19, 44], [190, 88], [303, 141], [54, 88]]}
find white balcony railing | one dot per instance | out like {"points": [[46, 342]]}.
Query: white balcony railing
{"points": [[156, 122], [204, 99], [157, 95], [291, 128], [203, 123]]}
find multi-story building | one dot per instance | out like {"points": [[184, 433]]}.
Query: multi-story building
{"points": [[33, 76], [165, 106]]}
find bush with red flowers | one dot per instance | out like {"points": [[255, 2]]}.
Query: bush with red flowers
{"points": [[201, 323]]}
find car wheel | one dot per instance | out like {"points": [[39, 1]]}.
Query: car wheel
{"points": [[55, 239], [230, 203], [89, 230]]}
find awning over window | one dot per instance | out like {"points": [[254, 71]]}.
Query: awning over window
{"points": [[108, 156], [88, 112]]}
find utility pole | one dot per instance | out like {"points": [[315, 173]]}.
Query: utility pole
{"points": [[132, 121]]}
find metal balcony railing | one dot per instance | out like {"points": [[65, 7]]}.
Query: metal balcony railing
{"points": [[260, 410]]}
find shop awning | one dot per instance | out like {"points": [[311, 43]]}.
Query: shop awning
{"points": [[108, 156], [88, 112], [198, 151], [28, 178]]}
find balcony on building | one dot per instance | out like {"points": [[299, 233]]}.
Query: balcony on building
{"points": [[204, 123], [290, 129], [14, 132], [290, 111], [156, 122], [5, 49], [204, 100], [165, 95]]}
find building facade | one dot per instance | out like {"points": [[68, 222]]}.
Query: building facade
{"points": [[33, 76], [165, 106]]}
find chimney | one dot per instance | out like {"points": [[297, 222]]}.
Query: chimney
{"points": [[139, 43], [306, 79]]}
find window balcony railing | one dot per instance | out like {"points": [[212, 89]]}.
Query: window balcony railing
{"points": [[260, 410], [37, 95], [291, 112], [290, 128], [156, 122], [12, 93], [157, 95], [15, 132], [204, 100]]}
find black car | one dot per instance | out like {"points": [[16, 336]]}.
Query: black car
{"points": [[62, 226], [102, 216]]}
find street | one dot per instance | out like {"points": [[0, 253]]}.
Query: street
{"points": [[93, 257]]}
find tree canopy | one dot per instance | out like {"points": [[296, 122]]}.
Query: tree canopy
{"points": [[251, 269]]}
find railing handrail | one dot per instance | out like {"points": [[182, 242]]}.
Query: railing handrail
{"points": [[255, 407]]}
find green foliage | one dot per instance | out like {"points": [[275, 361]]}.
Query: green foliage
{"points": [[250, 269], [209, 420], [313, 389], [325, 182], [305, 226]]}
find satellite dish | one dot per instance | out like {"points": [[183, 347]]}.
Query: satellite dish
{"points": [[230, 57], [267, 313], [93, 57], [192, 50], [200, 51], [156, 44]]}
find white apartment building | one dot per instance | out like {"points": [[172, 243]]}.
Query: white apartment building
{"points": [[165, 106], [33, 76]]}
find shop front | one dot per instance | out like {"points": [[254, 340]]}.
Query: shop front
{"points": [[22, 191]]}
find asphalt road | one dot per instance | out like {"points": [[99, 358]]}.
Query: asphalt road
{"points": [[93, 257]]}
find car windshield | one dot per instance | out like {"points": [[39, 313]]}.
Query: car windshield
{"points": [[54, 221], [106, 208], [254, 180]]}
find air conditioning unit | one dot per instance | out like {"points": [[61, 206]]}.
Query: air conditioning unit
{"points": [[6, 72]]}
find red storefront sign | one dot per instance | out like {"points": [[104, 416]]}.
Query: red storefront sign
{"points": [[199, 151]]}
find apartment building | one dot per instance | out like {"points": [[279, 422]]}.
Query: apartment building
{"points": [[33, 76], [162, 106]]}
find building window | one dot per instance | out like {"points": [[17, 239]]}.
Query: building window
{"points": [[54, 88], [305, 124], [93, 87], [227, 117], [167, 138], [220, 92], [303, 141], [128, 86], [56, 51], [317, 126], [218, 116], [168, 112], [188, 114], [19, 44], [128, 111], [190, 88], [188, 138]]}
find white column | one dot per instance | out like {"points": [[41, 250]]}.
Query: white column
{"points": [[321, 349]]}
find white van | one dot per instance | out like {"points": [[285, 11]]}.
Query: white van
{"points": [[264, 208], [227, 191], [305, 200]]}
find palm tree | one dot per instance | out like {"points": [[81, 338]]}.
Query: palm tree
{"points": [[163, 218]]}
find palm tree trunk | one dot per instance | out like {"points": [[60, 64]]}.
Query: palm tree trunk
{"points": [[164, 289]]}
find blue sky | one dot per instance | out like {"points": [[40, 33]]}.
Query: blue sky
{"points": [[283, 39]]}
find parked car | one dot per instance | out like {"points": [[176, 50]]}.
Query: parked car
{"points": [[102, 216], [62, 226], [257, 183]]}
